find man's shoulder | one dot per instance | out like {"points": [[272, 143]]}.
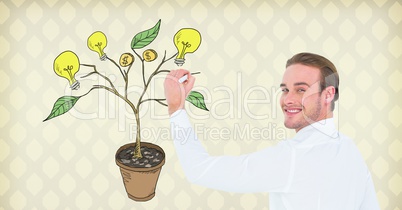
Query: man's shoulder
{"points": [[353, 151], [346, 139]]}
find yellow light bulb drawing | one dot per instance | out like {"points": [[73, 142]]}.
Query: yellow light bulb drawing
{"points": [[66, 65], [186, 40], [97, 43]]}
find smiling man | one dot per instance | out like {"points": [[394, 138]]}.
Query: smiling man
{"points": [[310, 89], [318, 169]]}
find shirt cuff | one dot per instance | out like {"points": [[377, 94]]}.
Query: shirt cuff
{"points": [[179, 116]]}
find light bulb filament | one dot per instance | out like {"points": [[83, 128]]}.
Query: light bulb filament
{"points": [[68, 69], [99, 45], [185, 46]]}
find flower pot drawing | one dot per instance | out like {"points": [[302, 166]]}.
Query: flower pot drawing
{"points": [[140, 182]]}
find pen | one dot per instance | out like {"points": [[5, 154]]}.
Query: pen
{"points": [[185, 77]]}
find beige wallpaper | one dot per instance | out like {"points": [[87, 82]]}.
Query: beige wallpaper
{"points": [[68, 162]]}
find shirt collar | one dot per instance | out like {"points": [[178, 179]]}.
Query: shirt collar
{"points": [[316, 133]]}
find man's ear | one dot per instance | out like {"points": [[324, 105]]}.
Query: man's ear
{"points": [[329, 94]]}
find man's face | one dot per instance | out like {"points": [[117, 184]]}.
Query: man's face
{"points": [[302, 101]]}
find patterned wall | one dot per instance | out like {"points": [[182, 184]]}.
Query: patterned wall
{"points": [[68, 162]]}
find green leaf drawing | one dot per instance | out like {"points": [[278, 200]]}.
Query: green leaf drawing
{"points": [[62, 105], [197, 99], [144, 38]]}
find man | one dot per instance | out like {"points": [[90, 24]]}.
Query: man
{"points": [[318, 169]]}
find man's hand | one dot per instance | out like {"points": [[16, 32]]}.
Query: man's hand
{"points": [[176, 92]]}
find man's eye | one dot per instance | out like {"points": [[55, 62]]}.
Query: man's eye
{"points": [[301, 90], [285, 90]]}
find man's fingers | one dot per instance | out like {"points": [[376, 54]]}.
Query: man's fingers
{"points": [[189, 84], [181, 72]]}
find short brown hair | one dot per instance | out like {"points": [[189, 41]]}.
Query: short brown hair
{"points": [[329, 74]]}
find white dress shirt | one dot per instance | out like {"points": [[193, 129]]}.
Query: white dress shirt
{"points": [[318, 169]]}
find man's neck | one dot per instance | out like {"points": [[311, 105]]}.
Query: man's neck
{"points": [[328, 116]]}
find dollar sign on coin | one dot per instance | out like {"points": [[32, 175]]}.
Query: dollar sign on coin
{"points": [[125, 62], [126, 59], [149, 55]]}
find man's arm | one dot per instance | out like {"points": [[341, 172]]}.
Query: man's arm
{"points": [[263, 171], [370, 198]]}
